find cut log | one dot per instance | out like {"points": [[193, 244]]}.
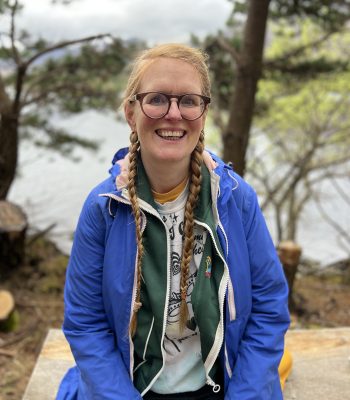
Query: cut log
{"points": [[8, 315], [13, 226], [289, 254]]}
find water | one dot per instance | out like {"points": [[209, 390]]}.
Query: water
{"points": [[51, 188]]}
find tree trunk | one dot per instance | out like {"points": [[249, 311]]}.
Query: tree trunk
{"points": [[292, 216], [289, 254], [13, 226], [8, 315], [8, 151], [236, 135]]}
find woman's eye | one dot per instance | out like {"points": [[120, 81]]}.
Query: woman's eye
{"points": [[156, 99], [190, 101]]}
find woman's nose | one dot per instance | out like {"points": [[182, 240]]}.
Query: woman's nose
{"points": [[174, 111]]}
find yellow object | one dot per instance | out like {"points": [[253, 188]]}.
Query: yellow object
{"points": [[285, 367], [172, 195]]}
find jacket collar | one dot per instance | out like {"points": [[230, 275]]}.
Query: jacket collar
{"points": [[221, 176]]}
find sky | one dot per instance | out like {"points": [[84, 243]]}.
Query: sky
{"points": [[156, 21]]}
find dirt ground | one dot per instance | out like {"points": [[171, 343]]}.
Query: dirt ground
{"points": [[37, 288]]}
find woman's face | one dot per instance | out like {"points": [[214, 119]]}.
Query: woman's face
{"points": [[169, 76]]}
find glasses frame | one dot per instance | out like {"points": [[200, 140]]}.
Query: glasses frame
{"points": [[141, 96]]}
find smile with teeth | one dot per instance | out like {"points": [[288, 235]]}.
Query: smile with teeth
{"points": [[170, 135]]}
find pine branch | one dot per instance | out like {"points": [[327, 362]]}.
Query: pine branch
{"points": [[62, 45], [281, 60], [225, 45], [15, 52]]}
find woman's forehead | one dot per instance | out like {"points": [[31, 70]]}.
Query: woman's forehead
{"points": [[171, 76]]}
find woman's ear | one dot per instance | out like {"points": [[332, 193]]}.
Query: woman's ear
{"points": [[129, 112]]}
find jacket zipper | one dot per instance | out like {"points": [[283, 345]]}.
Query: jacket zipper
{"points": [[230, 291], [214, 351], [231, 299]]}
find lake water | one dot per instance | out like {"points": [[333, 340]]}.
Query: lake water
{"points": [[52, 189]]}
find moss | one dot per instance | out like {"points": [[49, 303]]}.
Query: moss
{"points": [[11, 323]]}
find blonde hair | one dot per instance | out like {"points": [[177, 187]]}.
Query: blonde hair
{"points": [[196, 57], [198, 60]]}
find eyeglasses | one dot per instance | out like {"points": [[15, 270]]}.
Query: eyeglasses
{"points": [[156, 105]]}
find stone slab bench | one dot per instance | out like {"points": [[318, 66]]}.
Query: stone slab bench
{"points": [[321, 369]]}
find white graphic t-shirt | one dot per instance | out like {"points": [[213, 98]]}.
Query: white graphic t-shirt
{"points": [[184, 369]]}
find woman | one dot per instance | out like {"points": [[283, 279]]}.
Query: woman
{"points": [[173, 289]]}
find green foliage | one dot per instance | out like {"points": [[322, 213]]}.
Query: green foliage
{"points": [[331, 15], [63, 78], [317, 109], [222, 72], [7, 5], [304, 50], [80, 79], [11, 324], [38, 129]]}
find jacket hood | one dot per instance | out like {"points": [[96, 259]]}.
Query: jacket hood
{"points": [[120, 169]]}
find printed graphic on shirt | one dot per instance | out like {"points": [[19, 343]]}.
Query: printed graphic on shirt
{"points": [[175, 263], [175, 302], [198, 247], [174, 223]]}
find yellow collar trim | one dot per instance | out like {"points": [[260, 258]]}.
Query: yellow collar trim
{"points": [[172, 195]]}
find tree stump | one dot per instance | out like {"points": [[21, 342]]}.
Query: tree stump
{"points": [[13, 226], [289, 254], [8, 315]]}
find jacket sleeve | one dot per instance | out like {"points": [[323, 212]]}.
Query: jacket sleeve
{"points": [[255, 374], [103, 374]]}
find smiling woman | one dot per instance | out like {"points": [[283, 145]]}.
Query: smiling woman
{"points": [[167, 141], [174, 289]]}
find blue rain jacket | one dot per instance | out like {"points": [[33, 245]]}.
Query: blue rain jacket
{"points": [[100, 281]]}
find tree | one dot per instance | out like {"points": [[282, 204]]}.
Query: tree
{"points": [[306, 142], [38, 77], [300, 108], [248, 62], [304, 119], [337, 224], [237, 61]]}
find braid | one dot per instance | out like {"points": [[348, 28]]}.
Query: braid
{"points": [[194, 189], [133, 151]]}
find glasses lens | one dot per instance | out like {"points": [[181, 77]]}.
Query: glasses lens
{"points": [[191, 106], [155, 105]]}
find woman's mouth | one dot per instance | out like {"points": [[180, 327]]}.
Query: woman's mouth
{"points": [[170, 134]]}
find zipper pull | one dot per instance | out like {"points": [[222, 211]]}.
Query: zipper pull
{"points": [[216, 387]]}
